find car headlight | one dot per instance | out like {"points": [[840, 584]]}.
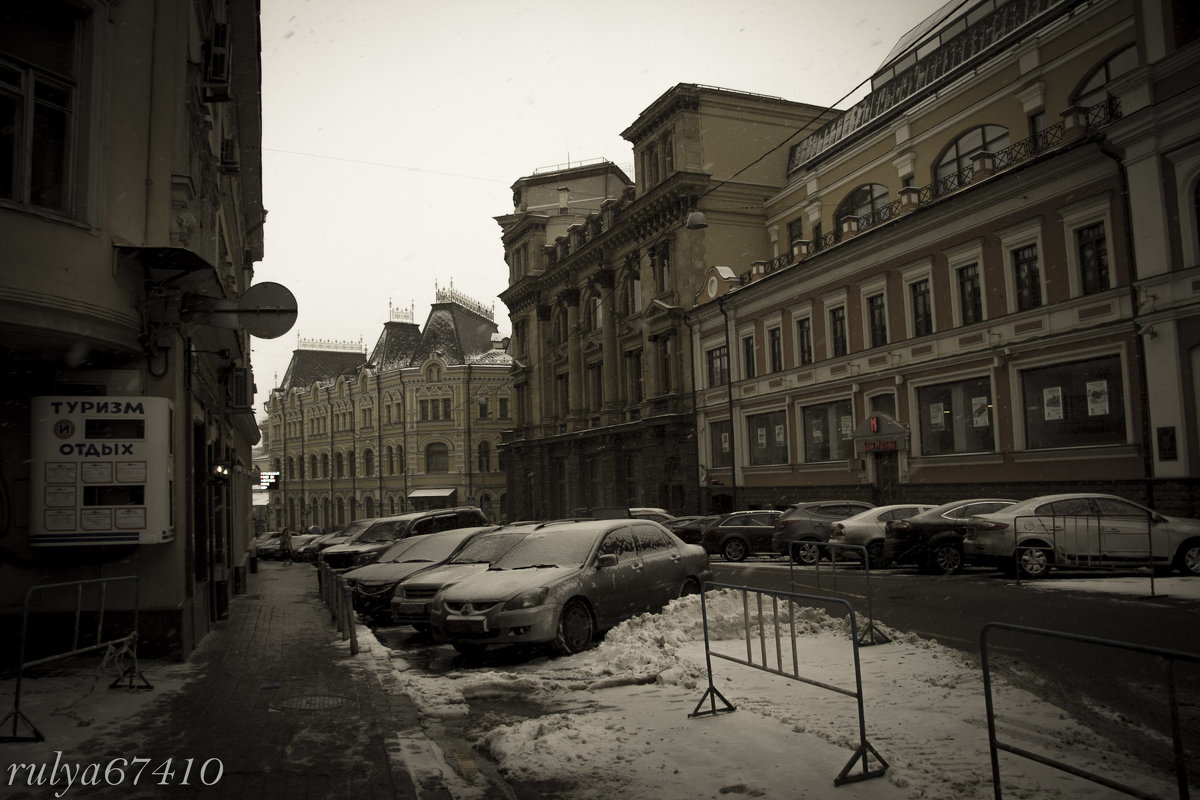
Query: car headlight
{"points": [[530, 599], [364, 558]]}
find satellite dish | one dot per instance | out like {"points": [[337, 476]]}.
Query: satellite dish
{"points": [[267, 310]]}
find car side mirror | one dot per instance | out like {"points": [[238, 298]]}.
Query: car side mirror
{"points": [[606, 560]]}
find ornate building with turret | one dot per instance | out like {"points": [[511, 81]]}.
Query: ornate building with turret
{"points": [[415, 424]]}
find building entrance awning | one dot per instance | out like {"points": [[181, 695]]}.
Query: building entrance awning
{"points": [[879, 433], [436, 492]]}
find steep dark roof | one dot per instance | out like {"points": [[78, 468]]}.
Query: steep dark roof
{"points": [[396, 345], [455, 333], [314, 366]]}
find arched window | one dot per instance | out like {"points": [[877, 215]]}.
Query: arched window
{"points": [[339, 467], [957, 157], [1093, 90], [433, 374], [368, 463], [400, 459], [291, 473], [324, 465], [861, 202], [279, 465], [485, 457], [437, 458], [370, 506], [341, 511], [391, 460], [353, 464]]}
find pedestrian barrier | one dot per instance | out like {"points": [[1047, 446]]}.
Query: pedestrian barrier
{"points": [[116, 649], [711, 694], [995, 745], [338, 597], [871, 634], [1084, 542]]}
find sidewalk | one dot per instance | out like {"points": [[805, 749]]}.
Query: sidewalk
{"points": [[271, 704]]}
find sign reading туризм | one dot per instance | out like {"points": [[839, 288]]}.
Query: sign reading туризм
{"points": [[102, 472]]}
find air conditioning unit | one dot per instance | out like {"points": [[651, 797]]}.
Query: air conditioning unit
{"points": [[240, 388], [229, 155]]}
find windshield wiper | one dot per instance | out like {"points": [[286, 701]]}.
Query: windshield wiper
{"points": [[538, 566]]}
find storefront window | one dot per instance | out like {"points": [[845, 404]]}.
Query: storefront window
{"points": [[956, 417], [828, 432], [766, 438], [721, 435], [1072, 405]]}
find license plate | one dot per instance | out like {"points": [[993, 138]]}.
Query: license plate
{"points": [[466, 625], [411, 609]]}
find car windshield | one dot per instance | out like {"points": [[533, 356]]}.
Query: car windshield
{"points": [[379, 532], [354, 530], [486, 549], [396, 551], [431, 547], [557, 548]]}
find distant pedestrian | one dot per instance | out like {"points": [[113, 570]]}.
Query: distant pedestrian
{"points": [[285, 546]]}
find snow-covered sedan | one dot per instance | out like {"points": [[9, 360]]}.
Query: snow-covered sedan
{"points": [[866, 529], [566, 581]]}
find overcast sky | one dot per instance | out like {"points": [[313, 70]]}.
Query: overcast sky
{"points": [[394, 129]]}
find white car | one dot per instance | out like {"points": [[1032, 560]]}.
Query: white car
{"points": [[868, 529], [1082, 530]]}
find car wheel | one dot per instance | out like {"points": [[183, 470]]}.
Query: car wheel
{"points": [[735, 550], [690, 586], [1034, 559], [1188, 559], [945, 558], [576, 628], [806, 552]]}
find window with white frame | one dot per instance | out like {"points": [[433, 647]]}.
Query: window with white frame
{"points": [[766, 438], [717, 359], [748, 366], [918, 298], [1023, 277], [720, 436], [828, 431], [804, 344], [1074, 404], [876, 320], [838, 344], [956, 417], [775, 349], [1086, 227]]}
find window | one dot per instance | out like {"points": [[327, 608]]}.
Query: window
{"points": [[633, 361], [970, 298], [956, 159], [922, 308], [775, 349], [837, 331], [663, 270], [828, 432], [391, 460], [665, 360], [503, 408], [877, 320], [804, 340], [748, 356], [721, 437], [437, 458], [861, 202], [1094, 90], [795, 231], [1093, 258], [1069, 405], [956, 417], [368, 463], [424, 411], [446, 408], [325, 465], [766, 438], [1026, 277], [339, 465], [718, 366], [485, 457], [38, 96]]}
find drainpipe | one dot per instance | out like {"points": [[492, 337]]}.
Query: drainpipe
{"points": [[732, 421]]}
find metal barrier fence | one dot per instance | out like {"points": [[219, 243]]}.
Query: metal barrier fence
{"points": [[711, 694], [339, 599], [995, 745], [116, 649], [871, 634], [1084, 542]]}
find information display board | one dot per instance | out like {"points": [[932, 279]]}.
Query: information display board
{"points": [[102, 472]]}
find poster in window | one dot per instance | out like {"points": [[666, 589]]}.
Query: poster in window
{"points": [[1052, 408], [979, 412], [818, 431], [725, 442], [937, 416], [779, 435], [1097, 398], [847, 427], [762, 437]]}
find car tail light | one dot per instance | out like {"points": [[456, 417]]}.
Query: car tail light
{"points": [[988, 525]]}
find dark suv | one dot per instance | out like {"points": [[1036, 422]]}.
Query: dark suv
{"points": [[809, 523], [368, 542], [737, 535]]}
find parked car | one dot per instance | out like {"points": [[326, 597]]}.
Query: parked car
{"points": [[866, 529], [267, 545], [810, 523], [413, 596], [933, 539], [565, 582], [1094, 529], [737, 535], [374, 584], [625, 512], [364, 546], [689, 529]]}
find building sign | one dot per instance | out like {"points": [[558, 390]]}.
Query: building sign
{"points": [[879, 433]]}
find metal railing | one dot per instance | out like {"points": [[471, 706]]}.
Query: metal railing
{"points": [[116, 648], [1103, 542], [338, 597], [871, 634], [864, 750], [1178, 757]]}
